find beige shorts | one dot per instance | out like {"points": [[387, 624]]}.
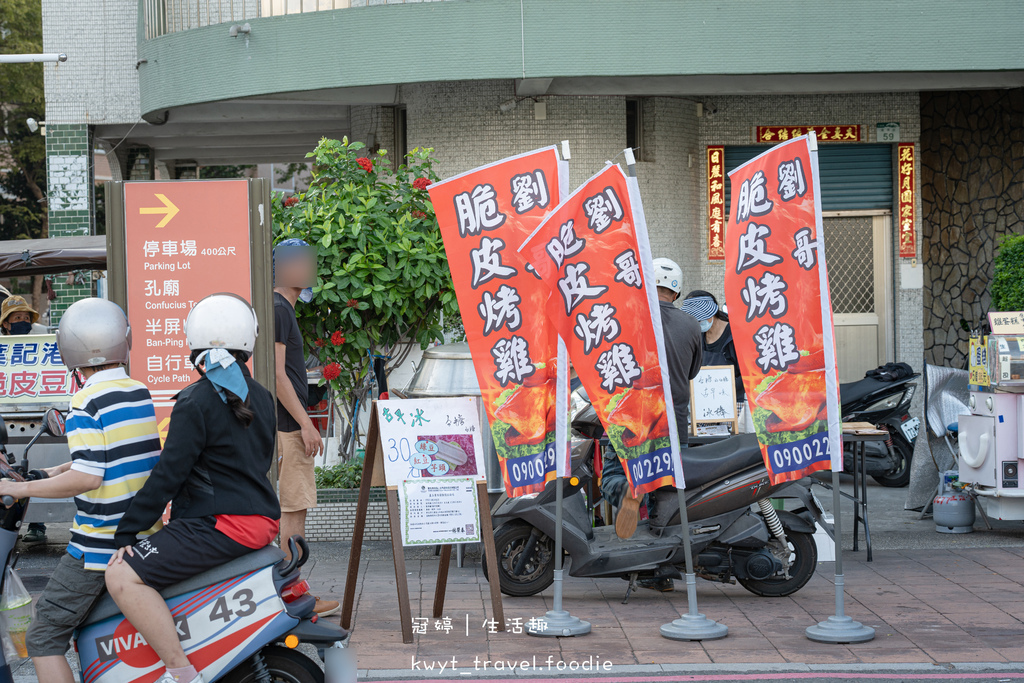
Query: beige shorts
{"points": [[295, 478]]}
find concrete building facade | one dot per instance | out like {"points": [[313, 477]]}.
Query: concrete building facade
{"points": [[163, 84]]}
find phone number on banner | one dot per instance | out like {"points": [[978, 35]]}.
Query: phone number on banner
{"points": [[531, 469], [650, 467], [799, 454]]}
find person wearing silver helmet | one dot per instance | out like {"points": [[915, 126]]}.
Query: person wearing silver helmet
{"points": [[213, 471], [112, 436]]}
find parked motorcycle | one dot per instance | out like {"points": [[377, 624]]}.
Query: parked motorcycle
{"points": [[885, 404], [770, 552], [239, 622]]}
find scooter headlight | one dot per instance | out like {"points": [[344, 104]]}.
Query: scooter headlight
{"points": [[887, 403]]}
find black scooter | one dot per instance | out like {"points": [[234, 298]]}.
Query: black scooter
{"points": [[885, 404], [734, 530]]}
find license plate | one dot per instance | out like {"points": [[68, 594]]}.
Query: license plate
{"points": [[910, 428]]}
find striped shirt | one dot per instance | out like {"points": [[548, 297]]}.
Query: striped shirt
{"points": [[112, 433]]}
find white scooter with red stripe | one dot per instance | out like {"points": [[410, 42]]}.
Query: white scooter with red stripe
{"points": [[241, 622]]}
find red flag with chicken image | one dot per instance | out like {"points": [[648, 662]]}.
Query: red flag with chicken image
{"points": [[594, 257], [776, 286], [484, 214]]}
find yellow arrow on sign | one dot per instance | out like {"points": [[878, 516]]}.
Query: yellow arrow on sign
{"points": [[168, 209]]}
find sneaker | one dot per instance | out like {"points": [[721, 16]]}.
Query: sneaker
{"points": [[168, 678], [661, 585], [626, 519], [325, 608], [34, 537]]}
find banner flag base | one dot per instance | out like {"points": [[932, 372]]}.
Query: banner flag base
{"points": [[557, 622], [839, 628], [693, 625]]}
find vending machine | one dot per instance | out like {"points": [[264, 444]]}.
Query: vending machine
{"points": [[991, 438]]}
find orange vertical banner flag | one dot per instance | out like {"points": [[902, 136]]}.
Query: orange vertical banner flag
{"points": [[776, 286], [594, 257], [484, 214]]}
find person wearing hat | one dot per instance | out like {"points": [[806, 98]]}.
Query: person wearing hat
{"points": [[17, 317], [717, 344]]}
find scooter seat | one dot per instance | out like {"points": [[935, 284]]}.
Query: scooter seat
{"points": [[862, 388], [264, 557], [706, 464]]}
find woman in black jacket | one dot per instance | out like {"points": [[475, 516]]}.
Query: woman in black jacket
{"points": [[213, 470]]}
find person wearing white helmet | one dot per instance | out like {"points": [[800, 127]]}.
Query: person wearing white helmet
{"points": [[213, 471], [112, 436], [683, 359]]}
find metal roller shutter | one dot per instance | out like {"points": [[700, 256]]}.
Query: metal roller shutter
{"points": [[852, 176]]}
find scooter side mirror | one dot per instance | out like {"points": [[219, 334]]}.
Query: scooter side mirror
{"points": [[54, 422]]}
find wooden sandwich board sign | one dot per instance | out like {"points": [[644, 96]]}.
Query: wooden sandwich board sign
{"points": [[428, 455], [713, 397]]}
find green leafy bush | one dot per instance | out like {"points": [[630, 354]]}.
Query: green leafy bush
{"points": [[344, 475], [383, 282], [1008, 282]]}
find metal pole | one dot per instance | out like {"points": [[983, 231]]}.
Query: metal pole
{"points": [[557, 621], [33, 59], [693, 625], [839, 628]]}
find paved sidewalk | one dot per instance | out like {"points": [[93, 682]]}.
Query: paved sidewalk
{"points": [[927, 606]]}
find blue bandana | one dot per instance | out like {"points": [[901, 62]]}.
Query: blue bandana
{"points": [[223, 370]]}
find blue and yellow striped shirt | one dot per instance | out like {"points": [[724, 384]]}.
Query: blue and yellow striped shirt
{"points": [[112, 433]]}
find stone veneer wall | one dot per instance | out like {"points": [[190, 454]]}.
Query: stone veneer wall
{"points": [[972, 191]]}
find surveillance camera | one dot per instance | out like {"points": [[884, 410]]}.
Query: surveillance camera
{"points": [[32, 124]]}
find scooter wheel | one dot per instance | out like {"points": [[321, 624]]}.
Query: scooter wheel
{"points": [[283, 664], [509, 541], [803, 559], [900, 476]]}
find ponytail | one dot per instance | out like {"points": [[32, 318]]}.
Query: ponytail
{"points": [[243, 413]]}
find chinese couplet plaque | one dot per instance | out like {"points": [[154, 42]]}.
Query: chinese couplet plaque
{"points": [[907, 178], [593, 255], [776, 286], [184, 240], [716, 203], [484, 215]]}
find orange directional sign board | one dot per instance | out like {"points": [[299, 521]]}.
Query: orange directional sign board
{"points": [[184, 239]]}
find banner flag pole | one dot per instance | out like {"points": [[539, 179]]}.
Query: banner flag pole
{"points": [[838, 628], [693, 625], [557, 621]]}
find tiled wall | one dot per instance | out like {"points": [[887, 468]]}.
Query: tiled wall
{"points": [[69, 190], [334, 516]]}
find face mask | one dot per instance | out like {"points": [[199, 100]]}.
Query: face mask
{"points": [[306, 295], [21, 328], [705, 325]]}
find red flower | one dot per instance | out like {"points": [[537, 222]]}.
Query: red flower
{"points": [[337, 338], [291, 201], [421, 183], [352, 303], [319, 343], [365, 164], [332, 371], [419, 214]]}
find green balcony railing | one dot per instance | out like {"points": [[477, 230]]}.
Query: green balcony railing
{"points": [[161, 17]]}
